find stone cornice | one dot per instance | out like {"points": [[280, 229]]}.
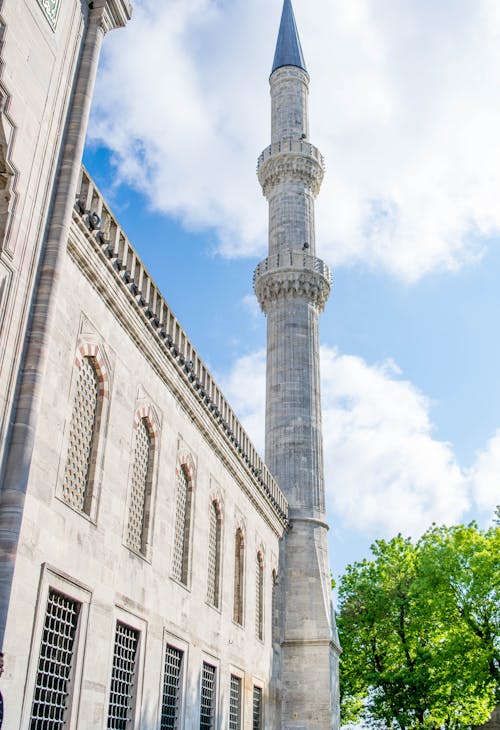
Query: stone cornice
{"points": [[287, 284], [294, 165], [287, 73], [112, 13], [290, 274]]}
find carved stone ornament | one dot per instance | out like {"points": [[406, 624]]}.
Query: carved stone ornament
{"points": [[51, 10], [290, 167], [289, 284]]}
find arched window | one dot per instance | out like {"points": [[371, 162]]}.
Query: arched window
{"points": [[83, 430], [239, 547], [274, 604], [180, 564], [140, 489], [259, 597], [214, 551]]}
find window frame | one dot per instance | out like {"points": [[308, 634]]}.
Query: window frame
{"points": [[240, 676], [239, 578], [149, 415], [258, 686], [260, 595], [95, 352], [120, 615], [215, 504], [181, 645], [55, 580], [213, 662], [185, 462]]}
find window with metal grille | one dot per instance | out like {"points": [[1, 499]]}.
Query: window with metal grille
{"points": [[172, 677], [208, 689], [214, 548], [77, 479], [121, 696], [257, 709], [238, 577], [274, 605], [235, 703], [259, 597], [140, 488], [55, 663], [182, 526]]}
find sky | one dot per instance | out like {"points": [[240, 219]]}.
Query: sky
{"points": [[404, 106]]}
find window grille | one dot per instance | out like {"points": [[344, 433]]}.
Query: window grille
{"points": [[259, 597], [235, 703], [141, 476], [121, 695], [55, 663], [274, 604], [214, 537], [171, 689], [82, 441], [207, 706], [238, 577], [182, 523], [257, 709]]}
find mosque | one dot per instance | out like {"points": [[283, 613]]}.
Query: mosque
{"points": [[155, 570]]}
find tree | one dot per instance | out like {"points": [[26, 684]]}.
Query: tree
{"points": [[420, 630]]}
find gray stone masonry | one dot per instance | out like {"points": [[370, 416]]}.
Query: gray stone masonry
{"points": [[292, 286]]}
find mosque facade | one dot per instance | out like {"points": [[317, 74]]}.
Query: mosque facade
{"points": [[155, 570]]}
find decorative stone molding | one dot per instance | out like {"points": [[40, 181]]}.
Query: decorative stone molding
{"points": [[283, 285], [93, 350], [50, 9], [149, 413], [292, 274], [186, 462], [113, 13], [287, 73], [290, 167]]}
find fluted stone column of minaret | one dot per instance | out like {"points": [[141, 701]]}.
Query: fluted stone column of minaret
{"points": [[292, 286]]}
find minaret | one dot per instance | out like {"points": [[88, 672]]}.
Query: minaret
{"points": [[292, 286]]}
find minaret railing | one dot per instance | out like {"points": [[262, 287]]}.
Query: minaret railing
{"points": [[290, 259], [294, 146]]}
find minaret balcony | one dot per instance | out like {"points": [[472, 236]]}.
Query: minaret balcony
{"points": [[292, 274], [291, 160]]}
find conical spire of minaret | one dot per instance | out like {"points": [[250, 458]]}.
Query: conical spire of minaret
{"points": [[288, 48]]}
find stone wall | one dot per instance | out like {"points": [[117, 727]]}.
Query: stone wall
{"points": [[85, 556]]}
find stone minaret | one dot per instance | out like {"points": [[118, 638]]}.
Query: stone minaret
{"points": [[292, 286]]}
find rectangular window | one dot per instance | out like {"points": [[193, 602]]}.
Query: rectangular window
{"points": [[208, 688], [235, 703], [121, 696], [257, 709], [170, 709], [55, 663]]}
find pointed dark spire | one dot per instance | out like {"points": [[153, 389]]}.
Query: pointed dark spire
{"points": [[288, 48]]}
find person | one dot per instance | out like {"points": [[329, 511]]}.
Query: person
{"points": [[1, 698]]}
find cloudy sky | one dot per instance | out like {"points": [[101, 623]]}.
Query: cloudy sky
{"points": [[405, 107]]}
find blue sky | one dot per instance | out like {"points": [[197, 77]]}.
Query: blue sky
{"points": [[404, 106]]}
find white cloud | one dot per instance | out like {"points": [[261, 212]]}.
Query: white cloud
{"points": [[485, 475], [404, 105], [385, 471]]}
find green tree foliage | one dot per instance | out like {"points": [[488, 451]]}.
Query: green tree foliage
{"points": [[419, 625]]}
